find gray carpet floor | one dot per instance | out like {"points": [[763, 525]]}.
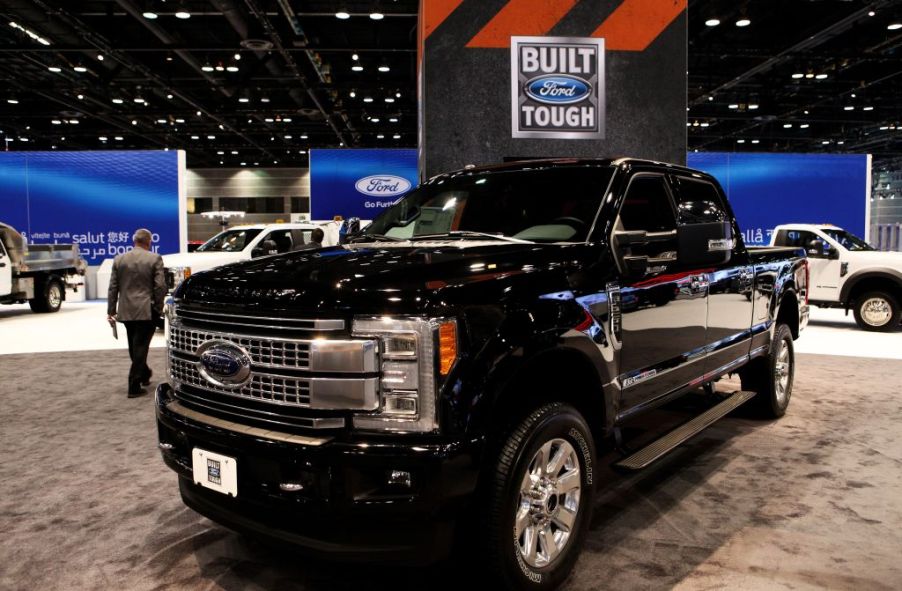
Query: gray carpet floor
{"points": [[808, 502]]}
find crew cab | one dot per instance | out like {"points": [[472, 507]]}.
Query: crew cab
{"points": [[847, 272], [240, 243], [460, 363], [37, 273]]}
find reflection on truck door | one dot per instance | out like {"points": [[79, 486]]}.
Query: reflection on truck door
{"points": [[824, 271], [6, 271]]}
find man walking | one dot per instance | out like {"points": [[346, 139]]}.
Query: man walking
{"points": [[138, 286], [316, 240]]}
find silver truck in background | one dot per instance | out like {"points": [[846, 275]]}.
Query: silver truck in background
{"points": [[37, 273]]}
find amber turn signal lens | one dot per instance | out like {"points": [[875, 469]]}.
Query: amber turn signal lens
{"points": [[447, 346], [187, 272]]}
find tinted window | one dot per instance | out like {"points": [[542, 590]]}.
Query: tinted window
{"points": [[300, 204], [848, 241], [229, 241], [698, 202], [647, 205], [542, 205], [282, 239], [795, 238]]}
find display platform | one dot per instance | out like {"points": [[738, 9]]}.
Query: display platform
{"points": [[797, 503]]}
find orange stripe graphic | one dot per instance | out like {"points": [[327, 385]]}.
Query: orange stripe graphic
{"points": [[636, 23], [434, 13], [521, 17]]}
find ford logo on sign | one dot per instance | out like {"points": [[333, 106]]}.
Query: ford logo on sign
{"points": [[224, 364], [381, 185], [558, 89]]}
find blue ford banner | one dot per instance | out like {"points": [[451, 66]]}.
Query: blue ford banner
{"points": [[95, 199], [767, 190], [359, 183]]}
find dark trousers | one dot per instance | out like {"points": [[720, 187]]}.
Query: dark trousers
{"points": [[139, 334]]}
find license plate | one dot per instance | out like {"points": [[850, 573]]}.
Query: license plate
{"points": [[215, 471]]}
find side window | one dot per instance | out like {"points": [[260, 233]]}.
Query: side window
{"points": [[648, 207], [282, 239], [803, 239], [698, 202]]}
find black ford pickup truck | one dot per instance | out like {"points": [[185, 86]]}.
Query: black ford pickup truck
{"points": [[462, 361]]}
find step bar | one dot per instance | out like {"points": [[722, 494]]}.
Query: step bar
{"points": [[660, 447]]}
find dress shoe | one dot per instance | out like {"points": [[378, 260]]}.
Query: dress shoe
{"points": [[136, 393]]}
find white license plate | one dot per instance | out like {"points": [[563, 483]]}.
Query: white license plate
{"points": [[215, 471]]}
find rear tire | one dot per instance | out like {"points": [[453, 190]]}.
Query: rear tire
{"points": [[772, 376], [877, 311], [539, 499], [49, 297]]}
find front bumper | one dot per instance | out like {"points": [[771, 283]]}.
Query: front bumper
{"points": [[347, 505]]}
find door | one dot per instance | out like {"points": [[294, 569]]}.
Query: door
{"points": [[664, 307], [823, 264], [275, 242], [6, 272], [730, 298]]}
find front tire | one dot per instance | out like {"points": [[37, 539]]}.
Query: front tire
{"points": [[772, 376], [877, 311], [49, 299], [540, 499]]}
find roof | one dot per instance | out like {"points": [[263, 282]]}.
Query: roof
{"points": [[532, 164]]}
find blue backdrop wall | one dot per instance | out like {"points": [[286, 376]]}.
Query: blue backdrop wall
{"points": [[359, 183], [767, 190], [97, 199]]}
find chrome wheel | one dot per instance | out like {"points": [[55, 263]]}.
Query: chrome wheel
{"points": [[54, 296], [782, 372], [549, 503], [876, 311]]}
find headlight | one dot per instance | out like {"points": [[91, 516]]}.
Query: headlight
{"points": [[179, 274], [169, 316], [417, 353]]}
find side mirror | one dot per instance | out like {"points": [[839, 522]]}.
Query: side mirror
{"points": [[710, 243], [832, 253], [816, 248]]}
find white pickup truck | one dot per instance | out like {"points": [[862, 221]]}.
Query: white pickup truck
{"points": [[37, 273], [240, 243], [847, 272]]}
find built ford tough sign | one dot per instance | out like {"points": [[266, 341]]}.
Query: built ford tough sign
{"points": [[460, 363]]}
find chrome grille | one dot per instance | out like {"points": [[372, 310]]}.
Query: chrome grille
{"points": [[264, 351], [264, 387]]}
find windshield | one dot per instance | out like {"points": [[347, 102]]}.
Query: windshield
{"points": [[848, 241], [543, 205], [229, 241]]}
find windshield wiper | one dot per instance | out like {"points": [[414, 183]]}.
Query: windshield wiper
{"points": [[471, 234], [374, 238]]}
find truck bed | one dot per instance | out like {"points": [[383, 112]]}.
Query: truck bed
{"points": [[765, 254], [52, 257]]}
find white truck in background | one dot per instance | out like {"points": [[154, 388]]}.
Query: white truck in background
{"points": [[847, 272], [37, 273], [240, 243]]}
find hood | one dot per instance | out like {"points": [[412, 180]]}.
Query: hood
{"points": [[877, 257], [200, 261], [388, 279]]}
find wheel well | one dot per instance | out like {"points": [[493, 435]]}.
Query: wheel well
{"points": [[788, 313], [886, 284], [554, 376]]}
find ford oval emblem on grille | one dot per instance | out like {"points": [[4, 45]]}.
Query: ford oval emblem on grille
{"points": [[224, 364], [558, 89]]}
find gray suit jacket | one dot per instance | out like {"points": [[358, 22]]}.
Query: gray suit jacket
{"points": [[137, 285]]}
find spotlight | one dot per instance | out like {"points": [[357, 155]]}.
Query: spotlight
{"points": [[342, 15], [150, 15], [377, 16], [743, 22], [712, 22]]}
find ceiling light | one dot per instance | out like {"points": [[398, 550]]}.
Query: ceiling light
{"points": [[389, 99], [397, 95], [821, 76], [798, 75], [231, 68], [23, 139], [352, 94], [380, 137], [357, 68], [198, 113], [867, 108], [220, 68], [244, 164], [182, 14], [355, 57], [268, 120], [117, 101], [168, 58], [733, 106], [848, 108], [118, 138], [179, 120], [341, 14], [195, 137], [288, 137], [841, 142], [740, 141], [220, 152], [706, 124], [825, 142], [286, 119], [161, 121], [397, 136], [244, 99], [712, 22], [237, 57], [375, 119], [80, 97], [150, 15], [368, 99], [756, 141], [103, 138], [871, 13], [12, 100], [743, 22], [54, 69], [264, 99], [377, 16], [894, 26], [211, 137], [31, 34], [207, 68], [138, 99], [73, 122], [304, 136], [234, 152], [384, 68], [787, 125], [853, 95], [302, 151], [99, 57], [80, 68], [56, 122], [753, 106], [804, 126], [134, 121], [393, 120], [884, 127], [809, 75]]}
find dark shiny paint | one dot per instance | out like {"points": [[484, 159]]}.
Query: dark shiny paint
{"points": [[524, 310]]}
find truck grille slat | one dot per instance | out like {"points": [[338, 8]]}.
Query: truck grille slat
{"points": [[272, 389], [265, 351]]}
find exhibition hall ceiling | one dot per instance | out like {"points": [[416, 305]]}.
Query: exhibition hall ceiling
{"points": [[260, 82]]}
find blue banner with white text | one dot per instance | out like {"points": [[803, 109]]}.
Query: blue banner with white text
{"points": [[767, 190], [359, 183], [95, 199]]}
